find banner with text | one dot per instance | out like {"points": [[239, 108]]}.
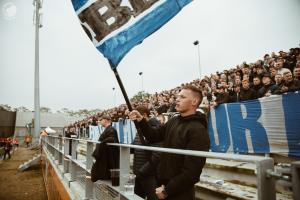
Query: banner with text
{"points": [[266, 125]]}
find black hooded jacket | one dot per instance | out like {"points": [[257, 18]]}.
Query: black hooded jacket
{"points": [[179, 173], [107, 157]]}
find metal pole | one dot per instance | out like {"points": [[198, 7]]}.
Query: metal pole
{"points": [[142, 82], [128, 103], [196, 43], [199, 61], [115, 101], [36, 72]]}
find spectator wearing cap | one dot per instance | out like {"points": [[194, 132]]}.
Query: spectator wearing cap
{"points": [[247, 93], [289, 84], [107, 157], [268, 87]]}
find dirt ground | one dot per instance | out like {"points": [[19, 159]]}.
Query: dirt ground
{"points": [[15, 185]]}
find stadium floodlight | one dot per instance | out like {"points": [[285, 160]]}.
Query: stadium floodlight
{"points": [[196, 43]]}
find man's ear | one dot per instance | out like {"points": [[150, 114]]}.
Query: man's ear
{"points": [[195, 101]]}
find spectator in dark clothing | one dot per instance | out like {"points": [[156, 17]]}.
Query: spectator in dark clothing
{"points": [[145, 182], [222, 97], [70, 134], [260, 72], [268, 87], [247, 93], [107, 157], [177, 174], [256, 84], [7, 149], [236, 96], [289, 84]]}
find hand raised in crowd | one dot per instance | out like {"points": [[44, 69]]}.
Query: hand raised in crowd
{"points": [[284, 89], [135, 115]]}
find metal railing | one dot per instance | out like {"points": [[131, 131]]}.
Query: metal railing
{"points": [[57, 148]]}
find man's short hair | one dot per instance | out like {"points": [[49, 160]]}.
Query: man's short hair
{"points": [[107, 117], [195, 90]]}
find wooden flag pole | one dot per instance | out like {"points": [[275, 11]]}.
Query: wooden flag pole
{"points": [[128, 104]]}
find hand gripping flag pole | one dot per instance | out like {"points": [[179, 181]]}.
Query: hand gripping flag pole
{"points": [[128, 104]]}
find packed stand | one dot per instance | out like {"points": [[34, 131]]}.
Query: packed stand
{"points": [[272, 75]]}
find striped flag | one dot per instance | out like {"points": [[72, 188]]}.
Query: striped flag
{"points": [[116, 26]]}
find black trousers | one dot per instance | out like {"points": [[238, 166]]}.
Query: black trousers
{"points": [[6, 152]]}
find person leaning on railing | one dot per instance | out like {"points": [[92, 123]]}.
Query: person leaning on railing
{"points": [[177, 174]]}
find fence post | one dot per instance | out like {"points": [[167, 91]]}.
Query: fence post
{"points": [[60, 149], [265, 184], [124, 165], [296, 179], [66, 159], [89, 189], [74, 156], [56, 153]]}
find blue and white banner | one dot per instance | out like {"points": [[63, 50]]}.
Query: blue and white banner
{"points": [[116, 26], [266, 125], [95, 132]]}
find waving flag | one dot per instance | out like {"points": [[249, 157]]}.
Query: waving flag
{"points": [[116, 26]]}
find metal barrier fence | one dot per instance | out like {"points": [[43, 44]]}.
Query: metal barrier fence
{"points": [[79, 168]]}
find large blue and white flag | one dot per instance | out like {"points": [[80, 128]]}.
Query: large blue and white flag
{"points": [[116, 26]]}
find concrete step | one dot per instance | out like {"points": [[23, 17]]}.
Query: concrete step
{"points": [[35, 160], [222, 179]]}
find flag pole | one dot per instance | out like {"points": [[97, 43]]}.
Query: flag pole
{"points": [[128, 104]]}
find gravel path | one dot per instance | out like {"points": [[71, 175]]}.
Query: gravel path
{"points": [[15, 185]]}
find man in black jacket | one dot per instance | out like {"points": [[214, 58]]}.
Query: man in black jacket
{"points": [[247, 93], [177, 174], [107, 157], [143, 167]]}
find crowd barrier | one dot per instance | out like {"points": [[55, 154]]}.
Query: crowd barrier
{"points": [[74, 172]]}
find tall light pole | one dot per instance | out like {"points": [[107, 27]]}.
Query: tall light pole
{"points": [[141, 74], [37, 15], [114, 90], [196, 43]]}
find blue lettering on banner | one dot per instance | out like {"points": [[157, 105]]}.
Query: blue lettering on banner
{"points": [[239, 124], [222, 130], [291, 108]]}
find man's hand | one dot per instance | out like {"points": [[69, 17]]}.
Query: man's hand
{"points": [[160, 192], [284, 89], [135, 115]]}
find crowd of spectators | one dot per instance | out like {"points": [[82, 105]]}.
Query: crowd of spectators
{"points": [[273, 74]]}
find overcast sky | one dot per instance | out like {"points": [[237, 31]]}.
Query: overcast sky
{"points": [[75, 75]]}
